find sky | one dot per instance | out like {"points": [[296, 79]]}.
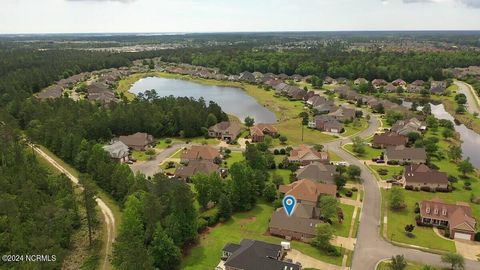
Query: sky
{"points": [[126, 16]]}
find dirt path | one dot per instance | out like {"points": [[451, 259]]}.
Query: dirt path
{"points": [[106, 211]]}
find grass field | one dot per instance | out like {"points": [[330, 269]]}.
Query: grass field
{"points": [[392, 170], [411, 266], [351, 130], [344, 228], [369, 152], [249, 225], [334, 157], [140, 155], [284, 173], [234, 157]]}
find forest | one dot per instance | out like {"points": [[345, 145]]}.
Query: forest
{"points": [[38, 210]]}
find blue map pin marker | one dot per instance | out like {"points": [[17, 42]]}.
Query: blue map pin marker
{"points": [[289, 203]]}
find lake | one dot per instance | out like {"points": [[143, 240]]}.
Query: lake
{"points": [[234, 101], [470, 139]]}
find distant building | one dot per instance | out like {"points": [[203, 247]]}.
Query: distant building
{"points": [[300, 226], [402, 154], [196, 166], [199, 152], [320, 172], [259, 131], [305, 155], [118, 151], [308, 191], [138, 141], [421, 176], [227, 131], [384, 140]]}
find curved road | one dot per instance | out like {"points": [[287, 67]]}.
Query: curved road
{"points": [[106, 211], [472, 99], [371, 247]]}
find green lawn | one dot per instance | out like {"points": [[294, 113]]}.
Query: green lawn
{"points": [[369, 152], [234, 157], [334, 157], [423, 236], [278, 159], [140, 155], [250, 225], [351, 130], [392, 170], [284, 173], [344, 228]]}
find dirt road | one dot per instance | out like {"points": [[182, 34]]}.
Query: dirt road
{"points": [[106, 211]]}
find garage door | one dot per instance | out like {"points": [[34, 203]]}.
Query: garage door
{"points": [[462, 236]]}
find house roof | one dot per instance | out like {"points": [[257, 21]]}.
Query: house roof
{"points": [[343, 111], [226, 127], [231, 247], [305, 153], [196, 166], [260, 129], [295, 223], [459, 215], [137, 139], [389, 138], [253, 254], [197, 152], [421, 173], [308, 190], [317, 171], [117, 149], [401, 153]]}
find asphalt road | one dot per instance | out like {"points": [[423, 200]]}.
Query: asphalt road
{"points": [[371, 247], [151, 167], [472, 99]]}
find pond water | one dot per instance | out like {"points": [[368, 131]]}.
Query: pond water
{"points": [[471, 140], [234, 101]]}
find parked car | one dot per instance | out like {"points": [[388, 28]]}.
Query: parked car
{"points": [[391, 180], [129, 162], [375, 159], [397, 184], [380, 161]]}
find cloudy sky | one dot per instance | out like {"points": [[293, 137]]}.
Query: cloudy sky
{"points": [[90, 16]]}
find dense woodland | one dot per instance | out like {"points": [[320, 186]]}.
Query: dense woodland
{"points": [[38, 210]]}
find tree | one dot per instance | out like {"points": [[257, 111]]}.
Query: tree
{"points": [[398, 263], [283, 139], [166, 255], [211, 120], [409, 229], [224, 207], [244, 187], [328, 206], [270, 192], [323, 236], [465, 167], [340, 181], [456, 261], [249, 121], [397, 198], [354, 171], [427, 109], [201, 182], [428, 267], [454, 152], [358, 146], [89, 194], [448, 133], [304, 116]]}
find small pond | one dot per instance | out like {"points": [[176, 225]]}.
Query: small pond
{"points": [[234, 101]]}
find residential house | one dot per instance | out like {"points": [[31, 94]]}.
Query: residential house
{"points": [[318, 171], [457, 218], [305, 155], [51, 92], [421, 176], [384, 140], [360, 81], [399, 82], [341, 80], [404, 127], [199, 152], [402, 154], [308, 191], [377, 83], [247, 77], [390, 88], [344, 114], [309, 95], [259, 131], [118, 151], [193, 167], [415, 88], [324, 108], [100, 92], [301, 225], [329, 80], [326, 123], [438, 87], [316, 100], [418, 83], [138, 141], [254, 255], [297, 77], [227, 131]]}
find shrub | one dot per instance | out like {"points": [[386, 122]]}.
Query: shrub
{"points": [[168, 141], [276, 152], [426, 188], [392, 162], [282, 151], [416, 189], [382, 171], [211, 216], [354, 189], [408, 187], [446, 233], [349, 193], [452, 179], [439, 189], [201, 224], [477, 237]]}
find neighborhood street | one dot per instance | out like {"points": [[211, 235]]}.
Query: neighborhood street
{"points": [[473, 102], [370, 246], [152, 166]]}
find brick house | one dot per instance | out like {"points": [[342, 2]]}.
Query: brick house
{"points": [[138, 141], [421, 176], [259, 131], [199, 152], [227, 131], [384, 140], [307, 191], [305, 155]]}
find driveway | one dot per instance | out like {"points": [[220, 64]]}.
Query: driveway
{"points": [[370, 247], [152, 167], [469, 249], [472, 98], [309, 262]]}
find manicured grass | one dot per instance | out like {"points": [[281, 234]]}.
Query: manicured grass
{"points": [[234, 157], [344, 228], [410, 266], [278, 159], [170, 170], [392, 171], [423, 236], [369, 152], [249, 225], [284, 173], [140, 155], [334, 157], [292, 129], [351, 130]]}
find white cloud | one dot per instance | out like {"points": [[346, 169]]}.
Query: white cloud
{"points": [[121, 1]]}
